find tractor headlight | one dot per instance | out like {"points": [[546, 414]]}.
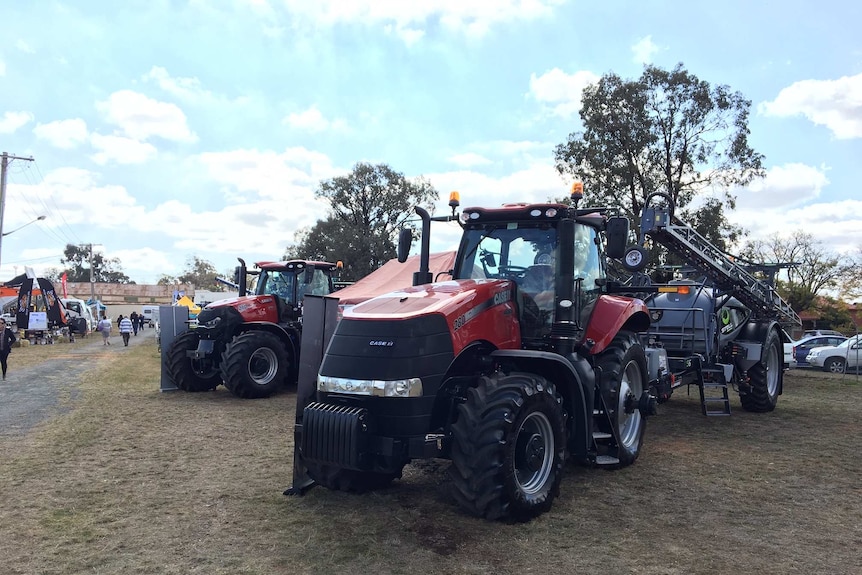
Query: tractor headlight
{"points": [[410, 387]]}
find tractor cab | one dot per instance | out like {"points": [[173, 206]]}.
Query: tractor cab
{"points": [[550, 253], [293, 280]]}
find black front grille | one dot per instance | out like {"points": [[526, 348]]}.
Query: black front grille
{"points": [[335, 435]]}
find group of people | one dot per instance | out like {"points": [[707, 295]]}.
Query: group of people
{"points": [[127, 326]]}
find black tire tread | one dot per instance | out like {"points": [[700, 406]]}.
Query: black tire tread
{"points": [[179, 367], [234, 365], [757, 398], [625, 347], [479, 454]]}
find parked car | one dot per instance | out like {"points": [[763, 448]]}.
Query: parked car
{"points": [[806, 344], [789, 360], [838, 358], [813, 332]]}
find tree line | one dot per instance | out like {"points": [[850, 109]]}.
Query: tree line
{"points": [[665, 132]]}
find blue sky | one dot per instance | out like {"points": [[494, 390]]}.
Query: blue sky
{"points": [[167, 129]]}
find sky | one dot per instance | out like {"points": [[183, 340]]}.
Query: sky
{"points": [[165, 130]]}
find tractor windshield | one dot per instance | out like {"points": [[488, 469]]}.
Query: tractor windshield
{"points": [[293, 285], [280, 283], [527, 254]]}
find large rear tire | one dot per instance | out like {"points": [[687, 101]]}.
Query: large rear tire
{"points": [[255, 365], [624, 380], [349, 480], [765, 377], [508, 447], [188, 374]]}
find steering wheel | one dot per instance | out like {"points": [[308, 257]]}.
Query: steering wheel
{"points": [[512, 271]]}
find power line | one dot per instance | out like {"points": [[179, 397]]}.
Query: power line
{"points": [[57, 233]]}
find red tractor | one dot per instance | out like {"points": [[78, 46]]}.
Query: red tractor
{"points": [[519, 363], [251, 342]]}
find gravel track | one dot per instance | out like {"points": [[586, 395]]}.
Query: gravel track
{"points": [[31, 395]]}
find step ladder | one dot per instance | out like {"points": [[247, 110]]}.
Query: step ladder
{"points": [[602, 440], [714, 392]]}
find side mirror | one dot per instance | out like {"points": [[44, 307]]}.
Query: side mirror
{"points": [[405, 239], [241, 277], [488, 259], [617, 233]]}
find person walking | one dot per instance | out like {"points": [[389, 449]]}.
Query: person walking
{"points": [[104, 327], [7, 338], [125, 329], [134, 319]]}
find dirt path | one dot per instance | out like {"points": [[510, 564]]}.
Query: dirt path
{"points": [[30, 395]]}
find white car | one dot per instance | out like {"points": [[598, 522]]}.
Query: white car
{"points": [[838, 358], [789, 358]]}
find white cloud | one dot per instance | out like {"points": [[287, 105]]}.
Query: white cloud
{"points": [[72, 191], [11, 121], [289, 177], [561, 91], [789, 199], [410, 20], [533, 182], [24, 47], [121, 150], [312, 120], [64, 134], [140, 117], [783, 186], [469, 160], [263, 198], [186, 88], [643, 50], [836, 104]]}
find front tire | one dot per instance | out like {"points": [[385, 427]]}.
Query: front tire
{"points": [[766, 377], [254, 365], [508, 447], [188, 374], [834, 365], [624, 381]]}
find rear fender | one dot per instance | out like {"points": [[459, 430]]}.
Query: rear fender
{"points": [[756, 332], [610, 315], [574, 379]]}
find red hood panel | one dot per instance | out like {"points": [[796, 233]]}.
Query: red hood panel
{"points": [[251, 307], [474, 309]]}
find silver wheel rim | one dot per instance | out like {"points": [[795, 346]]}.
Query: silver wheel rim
{"points": [[628, 424], [534, 453], [773, 361], [262, 365]]}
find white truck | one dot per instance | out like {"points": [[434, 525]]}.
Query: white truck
{"points": [[151, 315], [79, 308]]}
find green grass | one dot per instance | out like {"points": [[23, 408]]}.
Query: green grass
{"points": [[134, 481]]}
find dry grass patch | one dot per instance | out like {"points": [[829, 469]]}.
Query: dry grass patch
{"points": [[136, 481]]}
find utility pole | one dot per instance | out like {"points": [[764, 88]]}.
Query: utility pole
{"points": [[5, 159], [92, 277]]}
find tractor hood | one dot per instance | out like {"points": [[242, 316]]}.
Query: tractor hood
{"points": [[250, 307], [476, 309]]}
